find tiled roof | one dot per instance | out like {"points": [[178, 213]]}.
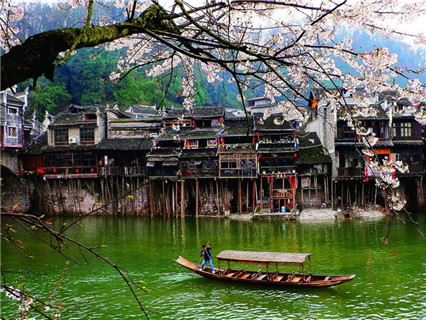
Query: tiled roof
{"points": [[237, 128], [311, 150], [174, 114], [36, 146], [206, 112], [194, 153], [198, 133], [125, 144], [269, 124]]}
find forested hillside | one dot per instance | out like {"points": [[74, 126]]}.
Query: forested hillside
{"points": [[84, 79]]}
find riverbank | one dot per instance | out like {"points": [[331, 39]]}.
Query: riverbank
{"points": [[329, 214], [313, 214]]}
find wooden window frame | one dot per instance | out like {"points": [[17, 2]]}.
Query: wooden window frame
{"points": [[58, 135], [87, 137]]}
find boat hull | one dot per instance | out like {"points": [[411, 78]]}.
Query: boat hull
{"points": [[274, 279]]}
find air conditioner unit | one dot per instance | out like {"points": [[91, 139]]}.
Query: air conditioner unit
{"points": [[72, 140]]}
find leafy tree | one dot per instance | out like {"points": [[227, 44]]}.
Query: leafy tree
{"points": [[51, 97]]}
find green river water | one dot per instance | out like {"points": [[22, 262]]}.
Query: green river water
{"points": [[389, 284]]}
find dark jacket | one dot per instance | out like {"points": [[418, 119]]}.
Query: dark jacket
{"points": [[206, 253]]}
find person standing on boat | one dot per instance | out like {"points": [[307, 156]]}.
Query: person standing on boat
{"points": [[207, 257]]}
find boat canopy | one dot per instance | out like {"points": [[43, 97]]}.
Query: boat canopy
{"points": [[264, 257]]}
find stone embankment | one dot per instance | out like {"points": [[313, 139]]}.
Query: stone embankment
{"points": [[329, 214], [314, 214]]}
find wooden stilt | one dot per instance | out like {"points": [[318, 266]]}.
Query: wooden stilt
{"points": [[163, 198], [316, 187], [197, 195], [177, 199], [226, 202], [309, 191], [247, 196], [151, 199], [240, 200], [217, 199], [182, 199], [253, 196], [356, 195]]}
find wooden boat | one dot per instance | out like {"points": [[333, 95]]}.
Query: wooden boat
{"points": [[261, 277]]}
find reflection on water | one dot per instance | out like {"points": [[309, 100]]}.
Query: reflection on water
{"points": [[389, 283]]}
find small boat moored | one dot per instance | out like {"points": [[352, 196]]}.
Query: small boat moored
{"points": [[261, 277]]}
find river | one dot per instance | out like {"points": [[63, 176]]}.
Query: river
{"points": [[389, 284]]}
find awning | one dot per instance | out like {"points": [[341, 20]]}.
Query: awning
{"points": [[263, 257]]}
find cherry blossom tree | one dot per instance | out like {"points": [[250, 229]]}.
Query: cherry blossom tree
{"points": [[288, 46]]}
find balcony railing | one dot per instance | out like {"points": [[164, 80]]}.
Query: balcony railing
{"points": [[232, 148], [161, 172], [199, 172], [68, 172], [124, 171], [350, 172], [237, 173]]}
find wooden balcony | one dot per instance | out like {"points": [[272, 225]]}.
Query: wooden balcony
{"points": [[68, 172], [238, 173], [350, 172], [123, 171]]}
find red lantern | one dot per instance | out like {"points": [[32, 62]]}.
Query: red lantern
{"points": [[257, 134], [40, 171], [294, 133], [77, 170], [295, 155], [92, 170], [54, 170]]}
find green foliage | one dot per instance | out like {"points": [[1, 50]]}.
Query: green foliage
{"points": [[137, 89], [52, 97]]}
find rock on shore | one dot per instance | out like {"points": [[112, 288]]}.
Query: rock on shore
{"points": [[329, 214]]}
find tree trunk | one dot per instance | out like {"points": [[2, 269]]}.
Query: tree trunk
{"points": [[37, 55]]}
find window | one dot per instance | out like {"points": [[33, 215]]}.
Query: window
{"points": [[211, 142], [406, 129], [12, 110], [87, 135], [89, 116], [191, 144], [403, 129], [12, 132], [61, 136]]}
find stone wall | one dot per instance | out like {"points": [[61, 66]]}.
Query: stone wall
{"points": [[14, 192], [112, 195]]}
